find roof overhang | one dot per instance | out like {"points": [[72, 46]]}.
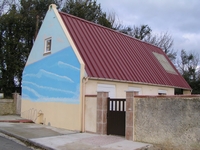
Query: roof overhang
{"points": [[133, 82]]}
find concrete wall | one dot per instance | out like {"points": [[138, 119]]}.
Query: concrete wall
{"points": [[122, 87], [173, 122]]}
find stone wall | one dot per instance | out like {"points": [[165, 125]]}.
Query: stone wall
{"points": [[7, 106], [173, 122], [10, 106]]}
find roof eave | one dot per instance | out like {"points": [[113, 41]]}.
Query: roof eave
{"points": [[133, 82]]}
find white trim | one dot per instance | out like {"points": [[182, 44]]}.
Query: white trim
{"points": [[162, 92], [46, 43], [107, 88], [135, 89]]}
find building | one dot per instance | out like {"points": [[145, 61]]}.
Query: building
{"points": [[72, 59]]}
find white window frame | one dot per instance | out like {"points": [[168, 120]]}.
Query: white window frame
{"points": [[46, 47]]}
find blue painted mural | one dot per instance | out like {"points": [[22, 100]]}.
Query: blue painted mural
{"points": [[55, 78]]}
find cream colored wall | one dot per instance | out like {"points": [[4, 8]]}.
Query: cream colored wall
{"points": [[121, 88], [90, 114], [60, 115]]}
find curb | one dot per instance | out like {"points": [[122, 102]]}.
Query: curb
{"points": [[18, 121], [26, 141]]}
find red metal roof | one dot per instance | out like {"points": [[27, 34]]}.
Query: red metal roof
{"points": [[110, 54]]}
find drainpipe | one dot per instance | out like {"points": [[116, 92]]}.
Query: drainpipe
{"points": [[84, 81]]}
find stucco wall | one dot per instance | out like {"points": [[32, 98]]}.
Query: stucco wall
{"points": [[122, 87], [51, 82], [7, 106], [54, 114], [90, 114], [168, 121]]}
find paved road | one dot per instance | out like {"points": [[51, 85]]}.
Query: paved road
{"points": [[7, 144]]}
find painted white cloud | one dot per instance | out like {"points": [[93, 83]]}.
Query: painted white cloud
{"points": [[50, 75], [48, 88], [65, 65], [40, 98], [32, 91], [57, 99]]}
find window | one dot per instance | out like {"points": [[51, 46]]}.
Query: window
{"points": [[162, 92], [164, 62], [107, 88], [48, 45], [135, 89]]}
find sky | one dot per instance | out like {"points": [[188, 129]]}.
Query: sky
{"points": [[180, 18]]}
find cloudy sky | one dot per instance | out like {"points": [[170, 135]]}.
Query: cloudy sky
{"points": [[180, 18]]}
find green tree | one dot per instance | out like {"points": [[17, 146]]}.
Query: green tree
{"points": [[88, 10], [10, 50], [18, 29]]}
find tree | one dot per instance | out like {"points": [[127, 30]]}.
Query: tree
{"points": [[188, 67], [164, 41], [144, 33], [141, 32], [88, 10], [10, 49], [6, 5], [115, 23], [18, 29]]}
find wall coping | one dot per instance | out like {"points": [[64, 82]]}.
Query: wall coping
{"points": [[6, 100], [91, 95], [166, 96]]}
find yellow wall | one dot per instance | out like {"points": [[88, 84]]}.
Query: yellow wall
{"points": [[60, 115], [90, 114], [121, 88]]}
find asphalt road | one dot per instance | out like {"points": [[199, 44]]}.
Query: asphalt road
{"points": [[9, 144]]}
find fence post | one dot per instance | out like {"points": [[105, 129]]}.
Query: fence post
{"points": [[130, 114], [17, 103], [102, 112]]}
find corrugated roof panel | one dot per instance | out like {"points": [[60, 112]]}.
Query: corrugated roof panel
{"points": [[113, 55], [101, 56]]}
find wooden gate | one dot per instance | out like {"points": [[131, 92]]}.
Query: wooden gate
{"points": [[116, 115]]}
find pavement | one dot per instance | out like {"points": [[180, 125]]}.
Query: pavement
{"points": [[51, 138]]}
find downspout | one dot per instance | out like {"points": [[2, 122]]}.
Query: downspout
{"points": [[84, 81]]}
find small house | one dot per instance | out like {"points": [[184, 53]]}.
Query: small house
{"points": [[72, 59]]}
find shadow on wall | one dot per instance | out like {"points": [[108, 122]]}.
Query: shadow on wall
{"points": [[35, 115]]}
